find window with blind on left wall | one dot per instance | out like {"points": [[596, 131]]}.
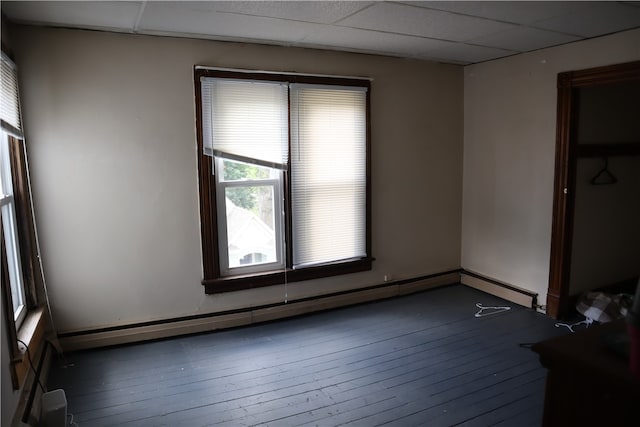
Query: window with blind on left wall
{"points": [[11, 129], [23, 284], [284, 177]]}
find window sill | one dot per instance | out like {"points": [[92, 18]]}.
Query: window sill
{"points": [[31, 333], [237, 283]]}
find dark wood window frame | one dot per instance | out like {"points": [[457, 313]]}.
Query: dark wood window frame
{"points": [[213, 281], [31, 331]]}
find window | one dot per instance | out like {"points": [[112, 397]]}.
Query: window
{"points": [[250, 217], [24, 312], [284, 179], [11, 127], [10, 233]]}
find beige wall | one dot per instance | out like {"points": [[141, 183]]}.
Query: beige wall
{"points": [[509, 143], [110, 127]]}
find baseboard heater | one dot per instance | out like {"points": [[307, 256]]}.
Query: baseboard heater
{"points": [[209, 322], [500, 289]]}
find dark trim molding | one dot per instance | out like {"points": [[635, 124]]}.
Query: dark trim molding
{"points": [[564, 184], [235, 283], [608, 74], [24, 218], [206, 192], [282, 77]]}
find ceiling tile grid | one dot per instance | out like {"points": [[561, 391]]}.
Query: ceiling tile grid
{"points": [[591, 19], [108, 15], [458, 32], [319, 12], [411, 20], [203, 19], [524, 39]]}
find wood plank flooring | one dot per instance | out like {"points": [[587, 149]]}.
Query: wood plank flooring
{"points": [[419, 360]]}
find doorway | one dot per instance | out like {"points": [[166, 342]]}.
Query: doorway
{"points": [[568, 152]]}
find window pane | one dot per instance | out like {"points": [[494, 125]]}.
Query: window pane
{"points": [[13, 261], [238, 171], [10, 232], [328, 164], [251, 225]]}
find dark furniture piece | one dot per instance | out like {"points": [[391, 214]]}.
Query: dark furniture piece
{"points": [[589, 383]]}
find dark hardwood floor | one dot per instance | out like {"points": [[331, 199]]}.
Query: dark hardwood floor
{"points": [[422, 359]]}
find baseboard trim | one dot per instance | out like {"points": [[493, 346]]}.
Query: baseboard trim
{"points": [[166, 328], [500, 289]]}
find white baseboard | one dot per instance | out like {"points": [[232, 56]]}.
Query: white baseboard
{"points": [[131, 334], [127, 335], [503, 290]]}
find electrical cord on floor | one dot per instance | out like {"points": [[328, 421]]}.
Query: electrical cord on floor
{"points": [[71, 422], [35, 373]]}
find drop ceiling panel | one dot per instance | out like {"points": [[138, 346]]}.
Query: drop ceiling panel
{"points": [[375, 42], [109, 14], [594, 19], [321, 12], [520, 12], [417, 21], [470, 54], [202, 20], [459, 32], [524, 39]]}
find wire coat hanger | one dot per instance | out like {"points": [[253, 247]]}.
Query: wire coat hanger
{"points": [[604, 176], [496, 310]]}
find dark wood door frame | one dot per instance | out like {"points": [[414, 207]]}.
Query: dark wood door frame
{"points": [[565, 171]]}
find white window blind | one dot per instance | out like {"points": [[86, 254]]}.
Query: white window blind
{"points": [[246, 120], [328, 167], [10, 106]]}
